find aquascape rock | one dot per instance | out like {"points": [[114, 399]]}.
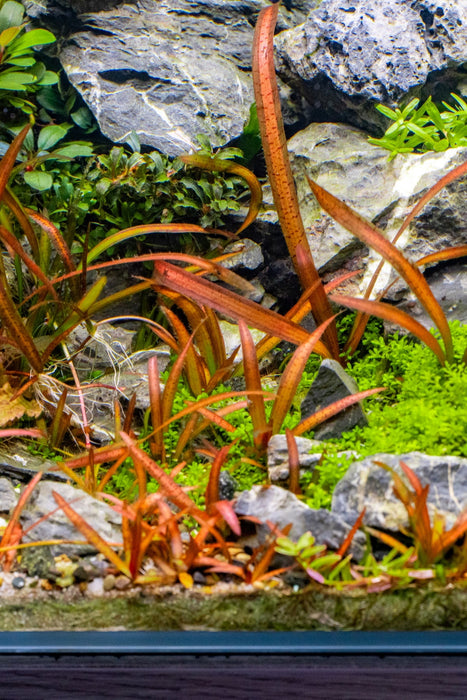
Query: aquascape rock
{"points": [[342, 161], [349, 54], [368, 485], [282, 508], [168, 69]]}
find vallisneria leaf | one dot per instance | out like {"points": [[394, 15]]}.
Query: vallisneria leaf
{"points": [[12, 321], [173, 491], [333, 408], [292, 375], [91, 535], [253, 381], [146, 229]]}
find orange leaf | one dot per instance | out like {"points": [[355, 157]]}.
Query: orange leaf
{"points": [[231, 304], [333, 408], [91, 535], [373, 237], [395, 315]]}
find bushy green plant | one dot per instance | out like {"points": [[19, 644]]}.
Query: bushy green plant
{"points": [[20, 71], [419, 129]]}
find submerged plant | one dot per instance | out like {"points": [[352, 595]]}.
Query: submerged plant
{"points": [[424, 128]]}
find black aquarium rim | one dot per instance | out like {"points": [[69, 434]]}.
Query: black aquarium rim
{"points": [[222, 643]]}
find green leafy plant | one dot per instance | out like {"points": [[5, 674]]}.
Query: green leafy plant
{"points": [[20, 72], [424, 128]]}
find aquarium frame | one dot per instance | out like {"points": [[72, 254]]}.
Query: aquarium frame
{"points": [[227, 643]]}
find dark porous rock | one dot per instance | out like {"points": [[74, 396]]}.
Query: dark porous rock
{"points": [[367, 485], [282, 508], [348, 55], [227, 486], [331, 384], [57, 527]]}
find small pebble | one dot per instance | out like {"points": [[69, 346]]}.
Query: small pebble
{"points": [[95, 587], [122, 582], [109, 582], [18, 582], [200, 578]]}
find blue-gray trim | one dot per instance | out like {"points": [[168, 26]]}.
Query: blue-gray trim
{"points": [[233, 642]]}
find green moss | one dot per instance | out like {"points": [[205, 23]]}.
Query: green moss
{"points": [[423, 408], [426, 608]]}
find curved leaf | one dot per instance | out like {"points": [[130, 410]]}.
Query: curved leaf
{"points": [[373, 237], [391, 313], [220, 165]]}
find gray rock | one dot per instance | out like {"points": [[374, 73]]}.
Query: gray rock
{"points": [[278, 456], [348, 54], [342, 161], [57, 527], [19, 465], [124, 373], [248, 255], [282, 507], [227, 486], [168, 69], [368, 485], [331, 384], [8, 496], [449, 286]]}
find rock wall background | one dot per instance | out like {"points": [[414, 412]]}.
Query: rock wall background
{"points": [[171, 69]]}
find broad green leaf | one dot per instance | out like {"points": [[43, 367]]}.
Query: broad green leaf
{"points": [[38, 180], [389, 113], [74, 150], [36, 37], [410, 107], [50, 135], [49, 78], [82, 117], [11, 15], [16, 80], [24, 62]]}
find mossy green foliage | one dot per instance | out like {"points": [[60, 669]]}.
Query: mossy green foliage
{"points": [[427, 608], [422, 409]]}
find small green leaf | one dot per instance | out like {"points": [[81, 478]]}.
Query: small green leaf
{"points": [[36, 37], [82, 117], [74, 150], [38, 180], [15, 80], [50, 135], [24, 62], [11, 15], [49, 78]]}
